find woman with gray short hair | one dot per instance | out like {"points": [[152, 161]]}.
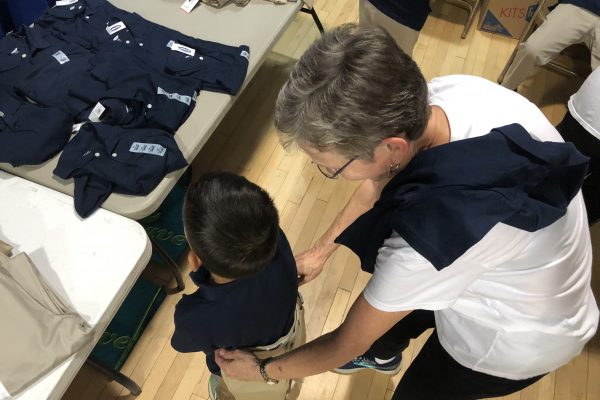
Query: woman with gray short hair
{"points": [[466, 191]]}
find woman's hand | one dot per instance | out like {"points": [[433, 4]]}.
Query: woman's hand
{"points": [[310, 263], [238, 364]]}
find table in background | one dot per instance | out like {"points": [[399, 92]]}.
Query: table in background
{"points": [[91, 263]]}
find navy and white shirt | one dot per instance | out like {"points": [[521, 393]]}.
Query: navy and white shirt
{"points": [[254, 311], [511, 298]]}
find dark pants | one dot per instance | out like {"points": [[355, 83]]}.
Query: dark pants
{"points": [[589, 145], [434, 375]]}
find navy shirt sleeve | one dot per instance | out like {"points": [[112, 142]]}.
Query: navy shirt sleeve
{"points": [[590, 5]]}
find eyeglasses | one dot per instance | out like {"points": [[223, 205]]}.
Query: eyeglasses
{"points": [[333, 175]]}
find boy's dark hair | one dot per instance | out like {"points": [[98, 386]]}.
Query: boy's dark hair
{"points": [[231, 224]]}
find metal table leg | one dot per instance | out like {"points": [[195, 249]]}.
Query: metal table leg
{"points": [[116, 376], [312, 12], [172, 265]]}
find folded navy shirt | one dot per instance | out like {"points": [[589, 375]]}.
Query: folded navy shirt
{"points": [[134, 96], [17, 51], [53, 71], [105, 159], [30, 134]]}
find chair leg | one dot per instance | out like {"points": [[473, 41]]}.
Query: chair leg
{"points": [[172, 265], [313, 12], [116, 376], [471, 8]]}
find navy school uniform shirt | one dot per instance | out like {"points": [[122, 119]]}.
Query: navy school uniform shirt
{"points": [[54, 70], [105, 159], [132, 95], [99, 27], [18, 49], [254, 311], [30, 134]]}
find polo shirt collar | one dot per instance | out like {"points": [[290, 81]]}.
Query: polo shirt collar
{"points": [[209, 290], [23, 41], [80, 7]]}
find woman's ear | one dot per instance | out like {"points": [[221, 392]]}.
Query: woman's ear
{"points": [[194, 261], [396, 145]]}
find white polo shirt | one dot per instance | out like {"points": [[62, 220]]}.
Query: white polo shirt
{"points": [[584, 105], [517, 304]]}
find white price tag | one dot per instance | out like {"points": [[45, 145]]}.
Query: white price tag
{"points": [[175, 96], [245, 54], [96, 112], [188, 5], [60, 3], [148, 148], [112, 29], [183, 49], [61, 57]]}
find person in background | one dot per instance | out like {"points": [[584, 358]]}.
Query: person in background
{"points": [[403, 19], [581, 126], [571, 22]]}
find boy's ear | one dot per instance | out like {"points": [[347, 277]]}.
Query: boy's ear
{"points": [[194, 261]]}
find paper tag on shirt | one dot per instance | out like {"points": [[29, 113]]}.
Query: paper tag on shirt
{"points": [[76, 127], [65, 2], [188, 5], [112, 29], [148, 148], [175, 96], [245, 54], [61, 57], [183, 49], [96, 112]]}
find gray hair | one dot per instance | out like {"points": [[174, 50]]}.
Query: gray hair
{"points": [[351, 89]]}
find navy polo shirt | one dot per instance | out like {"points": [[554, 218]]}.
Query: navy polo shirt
{"points": [[67, 21], [450, 196], [411, 13], [30, 134], [51, 75], [104, 159], [590, 5], [134, 96], [18, 49], [254, 311], [212, 66]]}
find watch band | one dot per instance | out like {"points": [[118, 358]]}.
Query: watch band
{"points": [[263, 372]]}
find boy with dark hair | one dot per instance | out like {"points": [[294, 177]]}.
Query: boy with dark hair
{"points": [[247, 278]]}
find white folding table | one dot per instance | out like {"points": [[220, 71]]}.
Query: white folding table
{"points": [[92, 263]]}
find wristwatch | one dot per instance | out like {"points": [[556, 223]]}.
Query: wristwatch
{"points": [[262, 369]]}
